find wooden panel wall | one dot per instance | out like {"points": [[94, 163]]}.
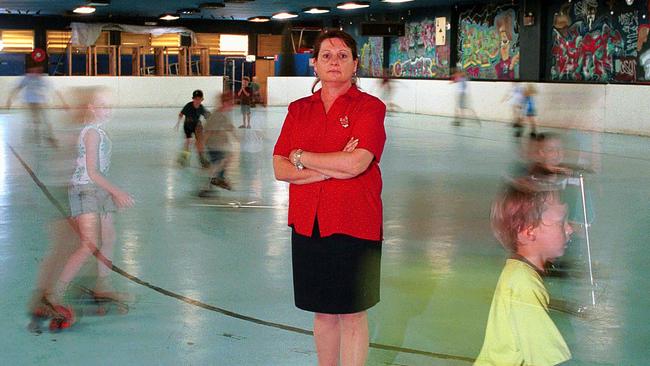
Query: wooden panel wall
{"points": [[264, 69], [269, 45]]}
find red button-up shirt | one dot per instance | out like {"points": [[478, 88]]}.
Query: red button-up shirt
{"points": [[343, 206]]}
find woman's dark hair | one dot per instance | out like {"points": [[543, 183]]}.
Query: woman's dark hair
{"points": [[335, 33], [343, 36]]}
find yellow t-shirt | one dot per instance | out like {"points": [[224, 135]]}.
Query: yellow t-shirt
{"points": [[519, 330]]}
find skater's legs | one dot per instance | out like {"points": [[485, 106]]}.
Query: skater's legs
{"points": [[89, 228], [35, 116], [187, 144], [64, 242], [200, 148], [532, 123], [106, 249], [198, 135], [37, 113]]}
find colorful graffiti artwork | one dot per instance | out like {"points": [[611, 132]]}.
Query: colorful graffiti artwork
{"points": [[590, 43], [371, 56], [643, 49], [416, 55], [488, 42]]}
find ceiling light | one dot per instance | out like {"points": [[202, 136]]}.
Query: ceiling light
{"points": [[169, 17], [316, 10], [284, 15], [259, 19], [188, 11], [98, 3], [353, 5], [84, 10], [396, 1]]}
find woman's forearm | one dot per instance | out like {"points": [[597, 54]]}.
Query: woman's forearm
{"points": [[287, 172], [340, 164]]}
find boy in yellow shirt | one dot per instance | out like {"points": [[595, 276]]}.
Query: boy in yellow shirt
{"points": [[533, 226]]}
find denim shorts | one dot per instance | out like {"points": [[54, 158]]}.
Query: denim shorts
{"points": [[245, 108], [89, 198], [216, 156]]}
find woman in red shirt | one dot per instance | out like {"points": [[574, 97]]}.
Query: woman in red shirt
{"points": [[329, 151]]}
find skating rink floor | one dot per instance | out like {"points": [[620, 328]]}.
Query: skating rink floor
{"points": [[211, 277]]}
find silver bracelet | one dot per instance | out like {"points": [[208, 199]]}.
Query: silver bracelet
{"points": [[296, 159]]}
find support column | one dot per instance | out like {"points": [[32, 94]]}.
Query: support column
{"points": [[532, 41]]}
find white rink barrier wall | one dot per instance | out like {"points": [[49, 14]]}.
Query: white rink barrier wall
{"points": [[128, 91], [603, 108]]}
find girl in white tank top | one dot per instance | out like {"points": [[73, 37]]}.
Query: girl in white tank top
{"points": [[80, 175], [93, 199]]}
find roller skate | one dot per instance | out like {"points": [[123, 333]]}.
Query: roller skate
{"points": [[222, 183], [518, 128], [94, 302], [205, 163], [53, 142], [183, 159], [205, 193], [61, 317]]}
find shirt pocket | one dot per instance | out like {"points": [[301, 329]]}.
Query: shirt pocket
{"points": [[338, 132]]}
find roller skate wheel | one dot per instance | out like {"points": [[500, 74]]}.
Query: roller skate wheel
{"points": [[63, 320], [101, 310], [56, 324]]}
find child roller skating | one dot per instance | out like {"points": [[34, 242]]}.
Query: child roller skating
{"points": [[219, 135], [191, 113], [93, 199]]}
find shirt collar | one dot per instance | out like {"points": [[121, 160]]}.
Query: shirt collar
{"points": [[352, 92], [521, 258]]}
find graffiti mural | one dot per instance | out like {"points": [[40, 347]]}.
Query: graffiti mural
{"points": [[371, 56], [488, 42], [416, 55], [596, 40], [643, 46], [643, 49]]}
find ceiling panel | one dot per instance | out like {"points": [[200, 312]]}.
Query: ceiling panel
{"points": [[151, 8]]}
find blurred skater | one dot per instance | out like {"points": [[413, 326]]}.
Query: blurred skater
{"points": [[387, 91], [93, 200], [515, 99], [219, 135], [459, 78], [530, 110], [35, 88]]}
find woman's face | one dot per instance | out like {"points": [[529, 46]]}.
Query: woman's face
{"points": [[335, 62]]}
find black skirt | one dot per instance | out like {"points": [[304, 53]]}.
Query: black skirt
{"points": [[338, 274]]}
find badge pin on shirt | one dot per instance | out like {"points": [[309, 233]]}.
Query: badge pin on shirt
{"points": [[344, 121]]}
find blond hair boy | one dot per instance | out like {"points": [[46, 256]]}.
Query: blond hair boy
{"points": [[532, 225]]}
